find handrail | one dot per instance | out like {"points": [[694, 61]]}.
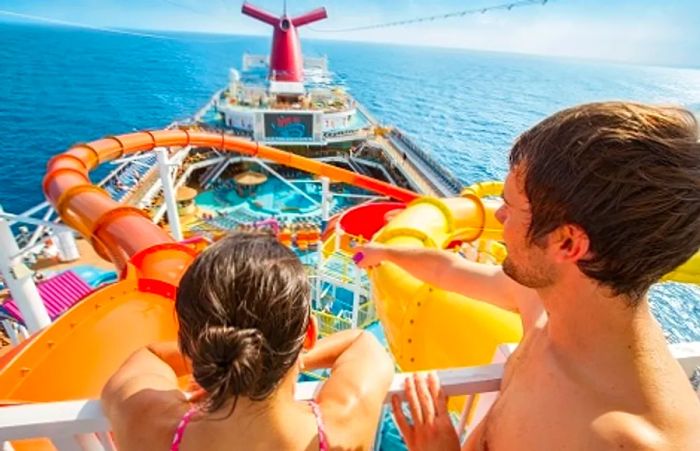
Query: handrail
{"points": [[440, 171], [84, 422], [69, 418]]}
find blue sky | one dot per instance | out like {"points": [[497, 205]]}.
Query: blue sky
{"points": [[665, 32]]}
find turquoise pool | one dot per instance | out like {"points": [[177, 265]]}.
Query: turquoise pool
{"points": [[273, 198]]}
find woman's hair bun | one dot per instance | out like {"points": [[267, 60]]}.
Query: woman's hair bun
{"points": [[229, 362]]}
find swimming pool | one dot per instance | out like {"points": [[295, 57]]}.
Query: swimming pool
{"points": [[297, 199]]}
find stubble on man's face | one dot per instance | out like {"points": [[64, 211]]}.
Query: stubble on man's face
{"points": [[532, 273]]}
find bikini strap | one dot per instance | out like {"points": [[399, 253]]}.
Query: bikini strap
{"points": [[180, 431], [322, 438]]}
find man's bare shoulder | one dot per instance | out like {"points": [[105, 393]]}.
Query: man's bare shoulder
{"points": [[623, 430]]}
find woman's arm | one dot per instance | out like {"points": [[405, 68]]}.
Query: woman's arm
{"points": [[328, 349], [144, 381], [352, 397]]}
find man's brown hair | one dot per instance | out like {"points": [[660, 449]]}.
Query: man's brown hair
{"points": [[629, 175]]}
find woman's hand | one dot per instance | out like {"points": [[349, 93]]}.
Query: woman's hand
{"points": [[431, 428], [369, 255]]}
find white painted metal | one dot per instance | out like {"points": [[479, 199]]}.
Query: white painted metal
{"points": [[38, 233], [283, 180], [29, 220], [67, 443], [217, 172], [55, 419], [356, 287], [338, 234], [20, 282], [106, 440], [326, 198], [66, 245], [68, 422], [15, 332], [89, 442], [688, 355], [482, 405], [169, 193]]}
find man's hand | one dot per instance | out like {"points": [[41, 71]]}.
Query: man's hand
{"points": [[369, 255], [431, 428]]}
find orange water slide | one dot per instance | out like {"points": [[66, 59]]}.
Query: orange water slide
{"points": [[74, 356]]}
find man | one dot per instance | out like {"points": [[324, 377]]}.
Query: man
{"points": [[600, 202]]}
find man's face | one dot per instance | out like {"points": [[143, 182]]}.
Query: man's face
{"points": [[527, 263]]}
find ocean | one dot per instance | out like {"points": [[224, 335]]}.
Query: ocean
{"points": [[60, 86]]}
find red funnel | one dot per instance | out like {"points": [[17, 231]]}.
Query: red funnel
{"points": [[286, 62]]}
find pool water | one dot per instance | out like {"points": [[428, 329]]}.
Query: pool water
{"points": [[285, 201]]}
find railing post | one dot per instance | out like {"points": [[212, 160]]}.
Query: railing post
{"points": [[325, 199], [356, 297], [169, 193], [20, 282], [67, 247]]}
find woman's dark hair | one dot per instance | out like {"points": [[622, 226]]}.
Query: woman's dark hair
{"points": [[629, 175], [243, 308]]}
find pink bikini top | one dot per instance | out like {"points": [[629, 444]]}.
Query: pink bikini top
{"points": [[322, 439]]}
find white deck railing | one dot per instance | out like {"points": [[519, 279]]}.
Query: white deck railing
{"points": [[81, 425]]}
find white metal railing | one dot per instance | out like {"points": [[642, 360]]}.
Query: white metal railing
{"points": [[81, 425]]}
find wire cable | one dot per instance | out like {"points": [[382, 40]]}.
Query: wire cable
{"points": [[503, 6]]}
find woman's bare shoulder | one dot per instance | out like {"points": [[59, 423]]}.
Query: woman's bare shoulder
{"points": [[148, 418]]}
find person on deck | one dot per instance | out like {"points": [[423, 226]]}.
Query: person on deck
{"points": [[246, 331], [600, 202]]}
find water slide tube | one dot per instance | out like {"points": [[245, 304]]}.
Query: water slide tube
{"points": [[72, 358], [429, 328], [425, 327], [688, 272]]}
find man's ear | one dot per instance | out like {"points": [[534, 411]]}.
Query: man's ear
{"points": [[571, 243], [311, 333]]}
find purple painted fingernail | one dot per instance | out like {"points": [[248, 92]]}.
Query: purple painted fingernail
{"points": [[357, 258]]}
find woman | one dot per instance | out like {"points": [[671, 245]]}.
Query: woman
{"points": [[244, 314]]}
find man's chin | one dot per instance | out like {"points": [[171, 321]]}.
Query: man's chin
{"points": [[509, 269]]}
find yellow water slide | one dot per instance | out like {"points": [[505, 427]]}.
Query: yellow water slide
{"points": [[430, 328]]}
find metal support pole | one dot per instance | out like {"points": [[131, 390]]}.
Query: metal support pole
{"points": [[67, 247], [338, 235], [356, 297], [20, 282], [319, 282], [325, 198], [169, 193]]}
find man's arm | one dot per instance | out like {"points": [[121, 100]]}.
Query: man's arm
{"points": [[450, 272]]}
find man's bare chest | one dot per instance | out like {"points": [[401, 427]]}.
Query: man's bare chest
{"points": [[538, 407]]}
